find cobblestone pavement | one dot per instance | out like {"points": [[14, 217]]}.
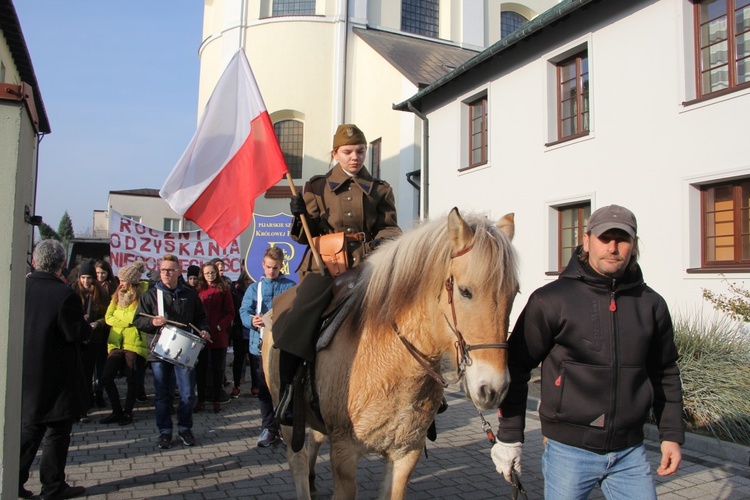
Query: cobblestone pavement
{"points": [[123, 462]]}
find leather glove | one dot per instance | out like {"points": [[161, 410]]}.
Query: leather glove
{"points": [[507, 456], [297, 205]]}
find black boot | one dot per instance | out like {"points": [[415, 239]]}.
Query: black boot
{"points": [[111, 418]]}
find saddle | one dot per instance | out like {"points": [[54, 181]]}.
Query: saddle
{"points": [[332, 318]]}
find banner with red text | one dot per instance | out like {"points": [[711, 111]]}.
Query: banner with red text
{"points": [[130, 241]]}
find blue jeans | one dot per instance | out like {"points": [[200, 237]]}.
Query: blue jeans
{"points": [[572, 473], [164, 390]]}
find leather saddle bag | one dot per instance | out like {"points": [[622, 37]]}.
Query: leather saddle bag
{"points": [[332, 249]]}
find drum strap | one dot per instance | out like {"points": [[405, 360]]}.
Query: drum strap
{"points": [[160, 302], [259, 306]]}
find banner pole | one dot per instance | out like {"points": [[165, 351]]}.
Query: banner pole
{"points": [[316, 254]]}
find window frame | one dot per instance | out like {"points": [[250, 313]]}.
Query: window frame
{"points": [[577, 60], [730, 40], [376, 151], [484, 132], [172, 221], [581, 225], [421, 18], [292, 4], [737, 223], [296, 172]]}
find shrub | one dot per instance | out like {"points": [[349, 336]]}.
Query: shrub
{"points": [[715, 370]]}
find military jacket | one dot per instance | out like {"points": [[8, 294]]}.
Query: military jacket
{"points": [[336, 202]]}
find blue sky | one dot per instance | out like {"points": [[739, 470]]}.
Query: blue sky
{"points": [[120, 85]]}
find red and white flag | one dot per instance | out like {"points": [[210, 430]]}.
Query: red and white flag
{"points": [[233, 158]]}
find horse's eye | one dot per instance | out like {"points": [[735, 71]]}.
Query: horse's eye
{"points": [[465, 292]]}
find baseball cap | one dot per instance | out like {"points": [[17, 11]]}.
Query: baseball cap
{"points": [[613, 217]]}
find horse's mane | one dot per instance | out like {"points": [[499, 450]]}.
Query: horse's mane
{"points": [[414, 266]]}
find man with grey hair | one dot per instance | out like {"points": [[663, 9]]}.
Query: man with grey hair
{"points": [[606, 345], [53, 385]]}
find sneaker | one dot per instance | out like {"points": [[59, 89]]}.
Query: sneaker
{"points": [[85, 419], [224, 398], [165, 441], [217, 407], [187, 438], [200, 405], [127, 419], [267, 438], [111, 418], [141, 397], [254, 392], [235, 393]]}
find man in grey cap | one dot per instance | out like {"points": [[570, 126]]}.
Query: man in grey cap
{"points": [[606, 345]]}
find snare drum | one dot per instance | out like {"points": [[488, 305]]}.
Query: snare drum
{"points": [[178, 347]]}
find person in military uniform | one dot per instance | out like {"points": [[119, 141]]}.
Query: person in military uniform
{"points": [[347, 199]]}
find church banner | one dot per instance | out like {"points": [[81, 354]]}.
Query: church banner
{"points": [[273, 231], [130, 241]]}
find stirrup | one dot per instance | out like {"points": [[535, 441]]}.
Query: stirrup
{"points": [[282, 416]]}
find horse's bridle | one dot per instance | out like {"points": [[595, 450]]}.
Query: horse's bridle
{"points": [[462, 348]]}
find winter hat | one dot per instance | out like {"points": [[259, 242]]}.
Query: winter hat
{"points": [[193, 271], [348, 134], [132, 273], [87, 268]]}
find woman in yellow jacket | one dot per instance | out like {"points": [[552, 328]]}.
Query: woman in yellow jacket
{"points": [[127, 346]]}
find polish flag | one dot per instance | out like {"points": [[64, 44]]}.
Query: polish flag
{"points": [[232, 159]]}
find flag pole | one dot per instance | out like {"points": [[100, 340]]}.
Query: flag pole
{"points": [[316, 254]]}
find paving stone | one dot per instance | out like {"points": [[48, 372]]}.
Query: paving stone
{"points": [[124, 462]]}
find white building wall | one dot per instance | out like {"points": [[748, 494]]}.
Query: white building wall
{"points": [[645, 150]]}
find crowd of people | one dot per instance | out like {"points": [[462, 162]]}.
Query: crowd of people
{"points": [[603, 335]]}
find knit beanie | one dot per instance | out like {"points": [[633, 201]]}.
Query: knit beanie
{"points": [[87, 269], [132, 273], [193, 271], [348, 134]]}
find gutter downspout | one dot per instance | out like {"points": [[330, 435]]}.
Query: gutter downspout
{"points": [[340, 109], [424, 205]]}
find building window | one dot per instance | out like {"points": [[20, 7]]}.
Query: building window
{"points": [[188, 225], [375, 157], [573, 97], [290, 134], [572, 221], [136, 218], [723, 44], [510, 21], [293, 8], [172, 225], [725, 210], [420, 17], [478, 132]]}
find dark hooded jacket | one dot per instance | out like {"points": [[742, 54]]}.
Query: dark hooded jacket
{"points": [[608, 354]]}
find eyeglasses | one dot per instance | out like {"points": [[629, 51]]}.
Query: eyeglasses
{"points": [[168, 270], [210, 273]]}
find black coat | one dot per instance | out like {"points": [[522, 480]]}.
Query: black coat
{"points": [[53, 384], [608, 354]]}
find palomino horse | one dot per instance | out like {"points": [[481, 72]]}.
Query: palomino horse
{"points": [[441, 292]]}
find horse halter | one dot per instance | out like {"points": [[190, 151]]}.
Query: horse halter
{"points": [[462, 348]]}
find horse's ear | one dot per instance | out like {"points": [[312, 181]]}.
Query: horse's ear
{"points": [[507, 224], [459, 231]]}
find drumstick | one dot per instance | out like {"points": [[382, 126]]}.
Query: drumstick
{"points": [[198, 331], [176, 323]]}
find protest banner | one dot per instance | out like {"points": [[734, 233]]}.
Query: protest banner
{"points": [[130, 241]]}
